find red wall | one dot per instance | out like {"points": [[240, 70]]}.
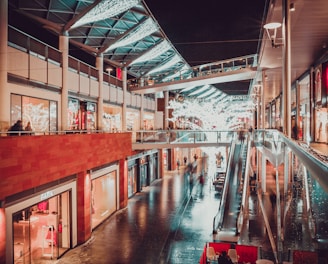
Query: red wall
{"points": [[30, 161]]}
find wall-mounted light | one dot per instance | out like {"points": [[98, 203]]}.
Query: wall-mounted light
{"points": [[292, 7], [109, 70], [271, 29]]}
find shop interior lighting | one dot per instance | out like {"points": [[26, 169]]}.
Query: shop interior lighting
{"points": [[143, 30], [271, 29], [105, 9], [153, 52], [174, 60]]}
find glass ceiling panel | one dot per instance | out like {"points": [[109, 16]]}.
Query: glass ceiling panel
{"points": [[143, 30], [105, 9], [174, 60], [153, 52]]}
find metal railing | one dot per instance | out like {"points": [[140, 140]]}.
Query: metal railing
{"points": [[213, 68]]}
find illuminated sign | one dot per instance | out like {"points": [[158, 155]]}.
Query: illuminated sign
{"points": [[46, 195]]}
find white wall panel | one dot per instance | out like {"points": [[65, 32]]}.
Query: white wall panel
{"points": [[105, 91], [138, 97], [133, 100], [94, 89], [84, 84], [128, 99], [38, 69], [55, 74], [119, 96], [73, 81], [113, 94], [17, 62]]}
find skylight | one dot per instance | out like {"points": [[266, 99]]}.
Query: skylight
{"points": [[105, 9]]}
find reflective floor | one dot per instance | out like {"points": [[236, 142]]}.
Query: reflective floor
{"points": [[165, 224]]}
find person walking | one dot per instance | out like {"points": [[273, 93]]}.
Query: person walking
{"points": [[201, 183]]}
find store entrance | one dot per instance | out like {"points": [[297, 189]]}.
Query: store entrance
{"points": [[42, 231]]}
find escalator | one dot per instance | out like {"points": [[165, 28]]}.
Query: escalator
{"points": [[232, 194]]}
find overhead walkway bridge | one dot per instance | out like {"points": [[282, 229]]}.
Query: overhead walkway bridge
{"points": [[235, 69]]}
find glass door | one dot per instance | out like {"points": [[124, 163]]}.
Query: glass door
{"points": [[21, 228]]}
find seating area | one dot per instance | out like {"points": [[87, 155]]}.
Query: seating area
{"points": [[237, 253], [245, 254]]}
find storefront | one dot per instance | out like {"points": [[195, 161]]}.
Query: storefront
{"points": [[41, 113], [41, 226], [142, 171], [104, 193], [82, 115], [132, 177], [112, 118], [320, 99]]}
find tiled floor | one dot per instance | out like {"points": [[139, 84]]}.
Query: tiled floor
{"points": [[165, 224]]}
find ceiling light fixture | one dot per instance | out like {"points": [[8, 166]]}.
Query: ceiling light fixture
{"points": [[105, 9], [153, 52], [143, 30], [174, 60], [271, 29]]}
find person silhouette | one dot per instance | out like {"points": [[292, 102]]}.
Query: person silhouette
{"points": [[224, 258]]}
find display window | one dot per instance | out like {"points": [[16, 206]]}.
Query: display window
{"points": [[132, 180], [112, 118], [104, 195], [132, 120], [321, 129], [73, 114], [81, 115], [148, 121], [42, 230], [42, 114], [43, 226]]}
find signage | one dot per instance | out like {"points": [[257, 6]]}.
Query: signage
{"points": [[46, 195]]}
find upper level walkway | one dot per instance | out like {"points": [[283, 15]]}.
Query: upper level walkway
{"points": [[235, 69]]}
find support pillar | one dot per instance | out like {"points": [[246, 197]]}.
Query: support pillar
{"points": [[263, 172], [124, 79], [286, 89], [142, 105], [64, 48], [100, 110], [4, 89], [166, 110]]}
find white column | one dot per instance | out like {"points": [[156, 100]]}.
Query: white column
{"points": [[64, 48], [286, 89], [166, 110], [264, 84], [4, 90], [142, 105], [100, 110], [298, 108], [142, 112], [124, 79], [263, 173]]}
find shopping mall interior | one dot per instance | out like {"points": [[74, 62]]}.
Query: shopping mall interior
{"points": [[106, 131]]}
